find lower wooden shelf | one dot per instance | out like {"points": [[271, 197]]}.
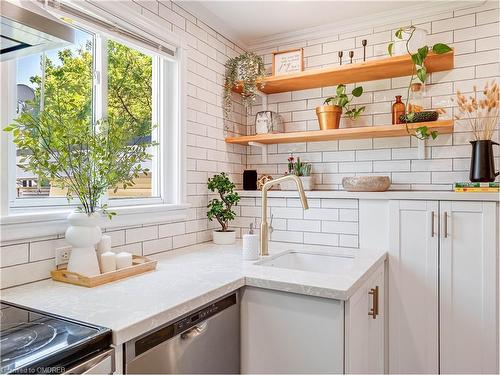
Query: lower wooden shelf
{"points": [[442, 127]]}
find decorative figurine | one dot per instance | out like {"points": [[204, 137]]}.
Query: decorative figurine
{"points": [[351, 55], [340, 56]]}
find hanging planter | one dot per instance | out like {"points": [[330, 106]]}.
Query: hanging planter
{"points": [[247, 72]]}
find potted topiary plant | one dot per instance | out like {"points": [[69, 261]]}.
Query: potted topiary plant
{"points": [[220, 208], [331, 110], [300, 169], [85, 159], [246, 71]]}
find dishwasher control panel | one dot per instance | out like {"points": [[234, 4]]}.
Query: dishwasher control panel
{"points": [[165, 333]]}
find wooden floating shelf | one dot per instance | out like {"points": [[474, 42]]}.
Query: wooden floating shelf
{"points": [[442, 127], [390, 67]]}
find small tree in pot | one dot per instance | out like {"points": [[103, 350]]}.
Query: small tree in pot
{"points": [[331, 110], [221, 209]]}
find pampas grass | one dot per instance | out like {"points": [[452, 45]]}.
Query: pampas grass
{"points": [[482, 114]]}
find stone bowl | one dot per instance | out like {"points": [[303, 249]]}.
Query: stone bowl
{"points": [[366, 183]]}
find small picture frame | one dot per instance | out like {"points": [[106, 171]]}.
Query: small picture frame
{"points": [[288, 62]]}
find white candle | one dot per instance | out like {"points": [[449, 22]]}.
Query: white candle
{"points": [[108, 262], [104, 245], [123, 260]]}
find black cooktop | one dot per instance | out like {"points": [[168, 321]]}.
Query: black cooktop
{"points": [[33, 342]]}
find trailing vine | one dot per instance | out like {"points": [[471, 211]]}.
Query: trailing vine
{"points": [[419, 72], [247, 71]]}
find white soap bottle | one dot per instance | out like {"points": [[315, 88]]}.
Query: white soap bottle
{"points": [[251, 245]]}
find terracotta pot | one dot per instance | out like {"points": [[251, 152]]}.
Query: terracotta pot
{"points": [[329, 116]]}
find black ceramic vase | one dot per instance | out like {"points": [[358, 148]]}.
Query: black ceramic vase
{"points": [[482, 164]]}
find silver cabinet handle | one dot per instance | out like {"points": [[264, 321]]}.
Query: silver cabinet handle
{"points": [[445, 224], [432, 223]]}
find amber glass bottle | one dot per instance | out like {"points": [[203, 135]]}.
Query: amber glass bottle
{"points": [[398, 109]]}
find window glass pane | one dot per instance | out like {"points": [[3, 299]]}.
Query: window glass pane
{"points": [[57, 81], [130, 97]]}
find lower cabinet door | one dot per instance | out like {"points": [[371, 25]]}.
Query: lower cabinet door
{"points": [[365, 326], [413, 287], [288, 333], [468, 288]]}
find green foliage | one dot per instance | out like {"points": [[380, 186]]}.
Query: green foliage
{"points": [[85, 158], [419, 70], [63, 145], [298, 167], [248, 71], [342, 100], [221, 209]]}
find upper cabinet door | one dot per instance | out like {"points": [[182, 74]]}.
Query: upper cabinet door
{"points": [[468, 291], [413, 287]]}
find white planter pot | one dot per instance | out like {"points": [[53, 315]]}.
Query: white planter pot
{"points": [[83, 234], [307, 183], [224, 238]]}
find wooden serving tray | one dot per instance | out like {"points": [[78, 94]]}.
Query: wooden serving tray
{"points": [[139, 265]]}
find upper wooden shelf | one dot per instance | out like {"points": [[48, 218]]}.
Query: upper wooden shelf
{"points": [[390, 67], [443, 127]]}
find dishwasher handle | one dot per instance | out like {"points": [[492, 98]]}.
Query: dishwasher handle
{"points": [[195, 331]]}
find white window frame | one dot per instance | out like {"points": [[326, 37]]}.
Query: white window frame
{"points": [[17, 215]]}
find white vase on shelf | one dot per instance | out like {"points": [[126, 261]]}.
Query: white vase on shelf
{"points": [[83, 234]]}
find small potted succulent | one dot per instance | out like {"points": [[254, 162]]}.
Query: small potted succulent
{"points": [[247, 72], [331, 110], [220, 208], [300, 169]]}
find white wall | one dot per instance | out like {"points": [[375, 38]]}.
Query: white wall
{"points": [[472, 32], [32, 259]]}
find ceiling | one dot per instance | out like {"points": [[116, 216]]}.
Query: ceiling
{"points": [[249, 21]]}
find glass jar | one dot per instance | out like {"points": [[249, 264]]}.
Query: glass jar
{"points": [[416, 98]]}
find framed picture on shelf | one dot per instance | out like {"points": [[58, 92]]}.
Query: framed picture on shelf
{"points": [[288, 62]]}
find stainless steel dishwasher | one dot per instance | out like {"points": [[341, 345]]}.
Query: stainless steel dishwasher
{"points": [[204, 341]]}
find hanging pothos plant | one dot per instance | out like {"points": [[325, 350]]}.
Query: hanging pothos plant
{"points": [[247, 71], [419, 72]]}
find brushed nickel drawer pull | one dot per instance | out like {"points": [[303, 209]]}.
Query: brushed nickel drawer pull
{"points": [[432, 223], [445, 224], [374, 310]]}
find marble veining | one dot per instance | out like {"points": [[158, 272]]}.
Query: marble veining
{"points": [[186, 279]]}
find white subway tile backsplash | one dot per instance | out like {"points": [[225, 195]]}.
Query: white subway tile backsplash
{"points": [[14, 254]]}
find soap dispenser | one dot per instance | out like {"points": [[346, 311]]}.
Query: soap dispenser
{"points": [[251, 245]]}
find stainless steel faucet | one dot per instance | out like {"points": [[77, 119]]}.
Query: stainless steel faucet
{"points": [[264, 249]]}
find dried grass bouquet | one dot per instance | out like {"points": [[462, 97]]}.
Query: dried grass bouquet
{"points": [[481, 114]]}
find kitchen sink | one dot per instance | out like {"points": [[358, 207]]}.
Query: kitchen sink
{"points": [[310, 262]]}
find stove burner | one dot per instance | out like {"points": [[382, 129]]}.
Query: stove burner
{"points": [[23, 338]]}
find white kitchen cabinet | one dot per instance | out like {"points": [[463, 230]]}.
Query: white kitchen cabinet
{"points": [[291, 333], [413, 287], [443, 287], [468, 293], [364, 322]]}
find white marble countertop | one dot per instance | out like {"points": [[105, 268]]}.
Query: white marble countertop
{"points": [[186, 279], [385, 195]]}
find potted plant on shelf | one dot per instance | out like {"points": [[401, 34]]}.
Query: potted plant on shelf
{"points": [[220, 208], [246, 71], [300, 169], [85, 159], [331, 110], [405, 35]]}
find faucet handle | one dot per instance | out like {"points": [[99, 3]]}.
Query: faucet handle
{"points": [[271, 224]]}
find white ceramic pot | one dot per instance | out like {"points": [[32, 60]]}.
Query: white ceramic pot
{"points": [[307, 183], [224, 238], [83, 234]]}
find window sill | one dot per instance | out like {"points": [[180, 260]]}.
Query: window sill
{"points": [[49, 222]]}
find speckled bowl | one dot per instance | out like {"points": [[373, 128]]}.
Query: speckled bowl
{"points": [[366, 183]]}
